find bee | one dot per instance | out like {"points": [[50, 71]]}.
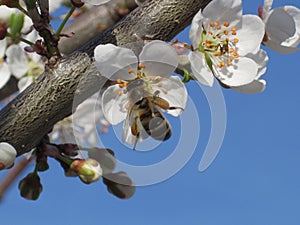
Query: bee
{"points": [[145, 117]]}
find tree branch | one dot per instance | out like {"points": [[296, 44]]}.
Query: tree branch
{"points": [[25, 121]]}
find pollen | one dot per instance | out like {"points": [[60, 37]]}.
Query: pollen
{"points": [[121, 85], [119, 81], [159, 84], [233, 29], [1, 60], [236, 55], [218, 54], [165, 91], [120, 93], [233, 32], [130, 70], [219, 27], [226, 32], [226, 24], [212, 24]]}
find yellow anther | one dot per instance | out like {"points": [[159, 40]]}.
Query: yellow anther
{"points": [[226, 32], [127, 106], [142, 66], [130, 70], [125, 83], [121, 85], [218, 54], [165, 91], [226, 24], [207, 44], [233, 32], [159, 78], [231, 50], [209, 32], [218, 27], [230, 58], [1, 60], [119, 81], [233, 29], [229, 64], [235, 40], [159, 84], [212, 24], [236, 55], [119, 93], [151, 78], [221, 64], [218, 23]]}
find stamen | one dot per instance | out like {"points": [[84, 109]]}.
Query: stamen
{"points": [[218, 27], [218, 54], [212, 24], [226, 24], [226, 32], [233, 32], [1, 60], [159, 84], [119, 81], [119, 93], [235, 40], [130, 70], [207, 43], [165, 91], [233, 29]]}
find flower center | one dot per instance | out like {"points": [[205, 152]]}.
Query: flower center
{"points": [[219, 44]]}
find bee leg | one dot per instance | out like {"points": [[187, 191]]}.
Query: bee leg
{"points": [[175, 107], [135, 132]]}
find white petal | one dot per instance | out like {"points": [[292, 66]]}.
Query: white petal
{"points": [[283, 26], [200, 69], [267, 7], [261, 58], [113, 62], [224, 10], [24, 82], [241, 73], [196, 29], [16, 60], [254, 87], [6, 12], [3, 44], [95, 2], [4, 74], [159, 58], [173, 90], [295, 14], [277, 47], [113, 105], [250, 35]]}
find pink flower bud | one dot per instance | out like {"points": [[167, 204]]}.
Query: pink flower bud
{"points": [[89, 170]]}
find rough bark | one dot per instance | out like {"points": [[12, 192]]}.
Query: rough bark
{"points": [[32, 114]]}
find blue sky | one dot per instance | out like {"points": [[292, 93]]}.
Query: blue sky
{"points": [[254, 180]]}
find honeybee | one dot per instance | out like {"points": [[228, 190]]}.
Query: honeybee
{"points": [[145, 117]]}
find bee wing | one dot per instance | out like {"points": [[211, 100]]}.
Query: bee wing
{"points": [[127, 135]]}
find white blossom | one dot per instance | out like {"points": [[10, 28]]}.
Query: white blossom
{"points": [[282, 27], [222, 38], [149, 73], [7, 155]]}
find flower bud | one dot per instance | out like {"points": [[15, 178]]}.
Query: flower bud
{"points": [[3, 30], [105, 157], [31, 187], [89, 170], [77, 3], [119, 184], [7, 155]]}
